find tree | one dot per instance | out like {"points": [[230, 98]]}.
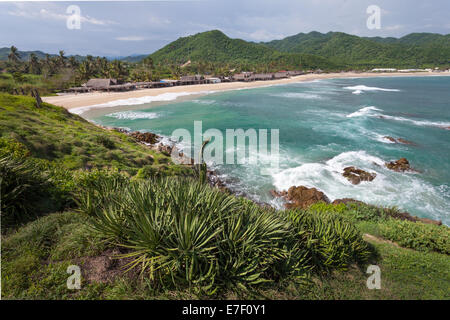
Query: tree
{"points": [[14, 56], [34, 65], [62, 59]]}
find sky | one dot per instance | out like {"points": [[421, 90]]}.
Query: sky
{"points": [[122, 28]]}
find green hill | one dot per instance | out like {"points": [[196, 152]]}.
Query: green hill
{"points": [[414, 50], [215, 47], [24, 55]]}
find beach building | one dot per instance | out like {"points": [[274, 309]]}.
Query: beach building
{"points": [[411, 70], [243, 76], [295, 73], [196, 79], [384, 70], [263, 76], [281, 75], [100, 83], [213, 80]]}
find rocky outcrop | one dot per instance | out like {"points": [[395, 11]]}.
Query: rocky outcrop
{"points": [[399, 140], [146, 137], [301, 197], [356, 176], [346, 201], [400, 165], [165, 150]]}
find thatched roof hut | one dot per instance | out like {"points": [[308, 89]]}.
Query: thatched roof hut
{"points": [[281, 75], [244, 76], [263, 76], [101, 83]]}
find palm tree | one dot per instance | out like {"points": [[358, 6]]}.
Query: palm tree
{"points": [[62, 59], [14, 55], [84, 70], [73, 63], [34, 64]]}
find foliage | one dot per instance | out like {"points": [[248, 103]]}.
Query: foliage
{"points": [[333, 242], [418, 236], [209, 50], [23, 190], [411, 51], [183, 232], [385, 223]]}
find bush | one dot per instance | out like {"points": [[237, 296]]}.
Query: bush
{"points": [[183, 232], [23, 190], [416, 235], [332, 241]]}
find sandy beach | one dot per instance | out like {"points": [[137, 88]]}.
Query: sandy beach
{"points": [[77, 101]]}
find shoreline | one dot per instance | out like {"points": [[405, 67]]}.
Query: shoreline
{"points": [[80, 103]]}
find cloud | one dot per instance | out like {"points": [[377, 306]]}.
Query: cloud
{"points": [[131, 38], [47, 14], [394, 27]]}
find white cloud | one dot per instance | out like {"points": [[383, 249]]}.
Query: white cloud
{"points": [[394, 27], [131, 38], [47, 14]]}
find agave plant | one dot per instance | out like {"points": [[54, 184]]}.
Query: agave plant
{"points": [[22, 186], [182, 232]]}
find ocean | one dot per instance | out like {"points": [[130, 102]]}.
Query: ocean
{"points": [[325, 126]]}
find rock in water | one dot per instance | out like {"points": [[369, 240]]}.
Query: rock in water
{"points": [[400, 165], [301, 197], [398, 140], [355, 175]]}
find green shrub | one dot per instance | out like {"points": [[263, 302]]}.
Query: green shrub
{"points": [[23, 190], [332, 241], [183, 232], [416, 235], [105, 141]]}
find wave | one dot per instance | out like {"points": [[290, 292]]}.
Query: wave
{"points": [[416, 194], [363, 112], [361, 88], [133, 115], [298, 95], [422, 123], [168, 96], [369, 112]]}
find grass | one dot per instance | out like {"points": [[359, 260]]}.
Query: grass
{"points": [[51, 133], [183, 233], [27, 82], [381, 222], [35, 260]]}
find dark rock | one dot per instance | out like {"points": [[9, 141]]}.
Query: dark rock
{"points": [[146, 137], [400, 165], [346, 201], [165, 150], [301, 197], [429, 221], [355, 175], [399, 140]]}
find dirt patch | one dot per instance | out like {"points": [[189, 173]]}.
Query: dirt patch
{"points": [[369, 237], [106, 267]]}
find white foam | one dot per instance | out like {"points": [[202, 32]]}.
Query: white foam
{"points": [[363, 112], [299, 95], [404, 190], [168, 96], [361, 88], [423, 123], [133, 115]]}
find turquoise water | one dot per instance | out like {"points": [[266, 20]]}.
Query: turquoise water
{"points": [[326, 126]]}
